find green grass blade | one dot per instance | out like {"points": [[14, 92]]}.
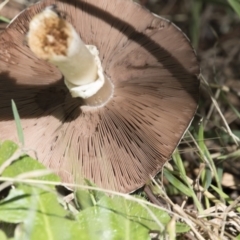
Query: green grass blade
{"points": [[179, 163], [222, 194], [18, 123], [234, 155], [195, 21], [3, 19], [235, 4], [177, 184]]}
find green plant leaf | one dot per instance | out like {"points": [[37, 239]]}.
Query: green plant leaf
{"points": [[28, 164], [96, 194], [7, 149], [13, 209], [83, 198], [118, 218], [22, 165], [87, 198], [38, 210], [47, 219], [41, 215], [2, 235], [17, 205]]}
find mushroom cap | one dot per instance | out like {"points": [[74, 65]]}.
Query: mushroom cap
{"points": [[119, 146]]}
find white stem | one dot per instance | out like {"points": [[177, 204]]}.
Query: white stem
{"points": [[53, 39], [80, 61]]}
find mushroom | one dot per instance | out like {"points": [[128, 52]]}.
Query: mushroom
{"points": [[123, 134]]}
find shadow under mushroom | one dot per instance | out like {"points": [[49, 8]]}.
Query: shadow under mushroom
{"points": [[36, 101]]}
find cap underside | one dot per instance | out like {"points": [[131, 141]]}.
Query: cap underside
{"points": [[119, 146]]}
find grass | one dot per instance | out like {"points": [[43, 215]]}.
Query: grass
{"points": [[2, 18], [191, 187]]}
